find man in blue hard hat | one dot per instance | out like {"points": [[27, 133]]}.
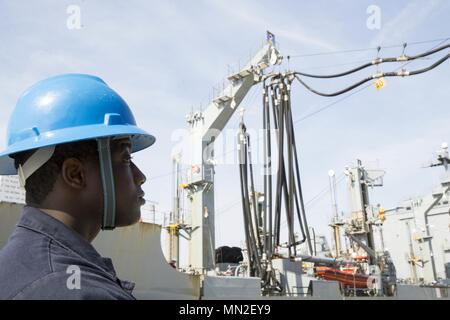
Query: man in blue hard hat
{"points": [[70, 140]]}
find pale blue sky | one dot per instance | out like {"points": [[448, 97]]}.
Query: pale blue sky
{"points": [[164, 57]]}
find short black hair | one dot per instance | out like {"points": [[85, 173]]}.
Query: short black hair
{"points": [[42, 181]]}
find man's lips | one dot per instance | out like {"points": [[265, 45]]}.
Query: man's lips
{"points": [[141, 198]]}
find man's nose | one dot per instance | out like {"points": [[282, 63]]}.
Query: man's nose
{"points": [[139, 176]]}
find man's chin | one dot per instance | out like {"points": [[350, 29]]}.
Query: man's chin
{"points": [[129, 221]]}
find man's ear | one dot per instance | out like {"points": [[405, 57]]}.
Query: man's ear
{"points": [[73, 173]]}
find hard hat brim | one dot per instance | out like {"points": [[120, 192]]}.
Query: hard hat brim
{"points": [[139, 141]]}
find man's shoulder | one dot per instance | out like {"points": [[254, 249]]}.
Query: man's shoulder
{"points": [[23, 259], [34, 266], [74, 284]]}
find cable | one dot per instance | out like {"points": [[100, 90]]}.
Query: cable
{"points": [[390, 74], [401, 73], [399, 59], [354, 92], [308, 204], [282, 114], [333, 94], [365, 49], [319, 195], [163, 175], [337, 75], [336, 65], [427, 53], [232, 205], [377, 61], [331, 104], [313, 113], [434, 65], [431, 51]]}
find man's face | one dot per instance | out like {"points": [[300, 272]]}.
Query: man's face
{"points": [[128, 180]]}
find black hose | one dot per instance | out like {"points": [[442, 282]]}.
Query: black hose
{"points": [[247, 240], [283, 115], [268, 176], [245, 202], [254, 261], [305, 230], [278, 188], [290, 175], [281, 190], [297, 194], [281, 105], [386, 74], [353, 86], [266, 202], [429, 52], [315, 243], [434, 65], [243, 198], [254, 202], [374, 62], [337, 75]]}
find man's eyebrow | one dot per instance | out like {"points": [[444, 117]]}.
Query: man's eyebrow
{"points": [[126, 144], [122, 145]]}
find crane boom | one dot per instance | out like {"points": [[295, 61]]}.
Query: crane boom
{"points": [[204, 129]]}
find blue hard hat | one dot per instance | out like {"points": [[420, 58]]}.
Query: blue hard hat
{"points": [[68, 108]]}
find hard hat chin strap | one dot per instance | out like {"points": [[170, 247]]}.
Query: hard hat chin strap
{"points": [[33, 163], [42, 155], [106, 172]]}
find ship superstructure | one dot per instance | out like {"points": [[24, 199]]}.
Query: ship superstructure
{"points": [[400, 253]]}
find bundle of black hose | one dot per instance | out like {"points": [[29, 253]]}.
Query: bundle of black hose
{"points": [[288, 183], [377, 61], [250, 235], [263, 238], [402, 73]]}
